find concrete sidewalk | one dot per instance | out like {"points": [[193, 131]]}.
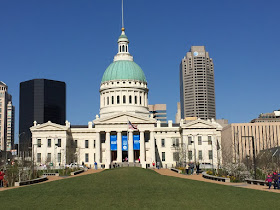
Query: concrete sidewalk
{"points": [[199, 177], [55, 178]]}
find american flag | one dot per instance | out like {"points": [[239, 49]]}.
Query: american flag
{"points": [[131, 126]]}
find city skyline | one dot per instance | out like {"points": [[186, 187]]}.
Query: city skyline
{"points": [[66, 41]]}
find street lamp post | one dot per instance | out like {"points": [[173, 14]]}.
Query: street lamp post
{"points": [[254, 154]]}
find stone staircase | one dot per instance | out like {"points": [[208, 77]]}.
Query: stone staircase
{"points": [[125, 164]]}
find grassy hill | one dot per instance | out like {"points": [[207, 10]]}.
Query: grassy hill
{"points": [[134, 188]]}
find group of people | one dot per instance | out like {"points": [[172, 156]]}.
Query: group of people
{"points": [[2, 174], [154, 164], [191, 168], [273, 177]]}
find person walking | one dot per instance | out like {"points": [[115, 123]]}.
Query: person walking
{"points": [[269, 180], [275, 180], [154, 164], [2, 178], [95, 165], [158, 165]]}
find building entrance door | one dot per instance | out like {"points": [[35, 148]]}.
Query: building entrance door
{"points": [[124, 156], [114, 155], [136, 155]]}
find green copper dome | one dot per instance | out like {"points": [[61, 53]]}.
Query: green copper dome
{"points": [[123, 70]]}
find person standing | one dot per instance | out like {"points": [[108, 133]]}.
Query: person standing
{"points": [[153, 164], [95, 165], [269, 180], [2, 178], [158, 165], [187, 169], [191, 167], [197, 168], [276, 180]]}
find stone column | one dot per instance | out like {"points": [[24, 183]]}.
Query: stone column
{"points": [[153, 147], [119, 147], [108, 150], [142, 149], [130, 147], [98, 148]]}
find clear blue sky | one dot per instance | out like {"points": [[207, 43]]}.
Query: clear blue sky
{"points": [[75, 40]]}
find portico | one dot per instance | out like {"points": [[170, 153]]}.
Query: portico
{"points": [[121, 143]]}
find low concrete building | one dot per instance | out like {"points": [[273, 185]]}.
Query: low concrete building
{"points": [[237, 139]]}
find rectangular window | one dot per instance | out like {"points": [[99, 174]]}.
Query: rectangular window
{"points": [[39, 142], [135, 101], [162, 142], [200, 154], [94, 157], [107, 100], [163, 156], [76, 143], [177, 142], [93, 143], [38, 157], [209, 140], [59, 142], [118, 99], [86, 157], [199, 140], [189, 140], [112, 99], [86, 143], [210, 154], [59, 157], [175, 156], [190, 155], [130, 99], [49, 157], [49, 142]]}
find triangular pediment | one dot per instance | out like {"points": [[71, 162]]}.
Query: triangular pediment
{"points": [[123, 118], [202, 124], [48, 126]]}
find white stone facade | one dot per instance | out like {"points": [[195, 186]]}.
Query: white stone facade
{"points": [[158, 142]]}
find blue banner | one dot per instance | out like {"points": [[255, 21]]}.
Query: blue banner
{"points": [[136, 142], [124, 143], [113, 140]]}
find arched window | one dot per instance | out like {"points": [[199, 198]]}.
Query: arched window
{"points": [[120, 48], [140, 100], [124, 99], [130, 99], [123, 48], [126, 49], [118, 99], [112, 99], [107, 100], [135, 99]]}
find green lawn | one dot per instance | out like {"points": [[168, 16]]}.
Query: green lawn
{"points": [[135, 188]]}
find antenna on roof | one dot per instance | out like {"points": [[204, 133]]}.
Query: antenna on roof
{"points": [[122, 17]]}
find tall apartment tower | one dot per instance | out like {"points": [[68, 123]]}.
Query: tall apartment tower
{"points": [[41, 100], [197, 87], [6, 119]]}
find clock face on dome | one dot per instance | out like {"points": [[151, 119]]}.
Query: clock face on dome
{"points": [[195, 53]]}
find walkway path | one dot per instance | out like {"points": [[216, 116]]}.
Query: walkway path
{"points": [[168, 172], [55, 178]]}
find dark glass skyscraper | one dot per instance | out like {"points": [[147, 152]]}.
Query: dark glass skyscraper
{"points": [[41, 100]]}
